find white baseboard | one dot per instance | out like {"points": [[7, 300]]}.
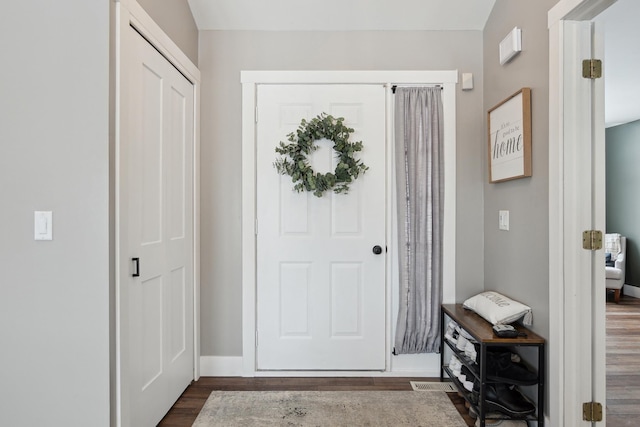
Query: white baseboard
{"points": [[347, 374], [231, 366], [221, 366], [632, 291]]}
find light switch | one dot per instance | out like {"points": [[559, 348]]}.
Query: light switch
{"points": [[43, 225], [503, 220]]}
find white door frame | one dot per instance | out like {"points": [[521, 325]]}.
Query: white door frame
{"points": [[250, 80], [576, 203], [129, 13]]}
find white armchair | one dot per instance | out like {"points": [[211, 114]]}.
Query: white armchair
{"points": [[616, 245]]}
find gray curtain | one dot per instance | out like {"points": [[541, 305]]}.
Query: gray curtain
{"points": [[419, 159]]}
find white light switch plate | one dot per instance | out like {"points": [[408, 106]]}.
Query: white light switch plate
{"points": [[503, 220], [43, 225]]}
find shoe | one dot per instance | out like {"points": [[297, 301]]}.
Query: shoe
{"points": [[462, 342], [449, 332], [451, 326], [490, 418], [471, 351], [466, 378], [506, 399], [455, 366], [463, 374], [472, 412], [494, 419], [452, 335], [502, 423], [475, 392], [451, 339], [514, 356], [466, 334], [501, 368]]}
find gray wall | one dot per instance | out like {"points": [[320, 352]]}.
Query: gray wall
{"points": [[623, 191], [175, 19], [54, 295], [223, 54], [516, 262]]}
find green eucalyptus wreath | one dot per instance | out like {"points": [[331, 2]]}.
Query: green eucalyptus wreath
{"points": [[302, 143]]}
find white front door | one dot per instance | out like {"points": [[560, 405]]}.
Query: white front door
{"points": [[320, 287], [156, 244]]}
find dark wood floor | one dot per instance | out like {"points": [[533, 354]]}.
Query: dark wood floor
{"points": [[623, 362], [186, 409], [623, 377]]}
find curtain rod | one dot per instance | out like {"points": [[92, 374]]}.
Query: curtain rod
{"points": [[393, 88]]}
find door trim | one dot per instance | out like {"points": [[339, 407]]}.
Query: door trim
{"points": [[127, 13], [250, 80], [569, 265]]}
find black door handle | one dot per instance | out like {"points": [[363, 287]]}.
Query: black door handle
{"points": [[136, 267], [377, 249]]}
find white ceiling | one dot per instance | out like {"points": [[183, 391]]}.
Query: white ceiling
{"points": [[341, 15], [621, 22]]}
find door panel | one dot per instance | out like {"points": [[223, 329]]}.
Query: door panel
{"points": [[157, 190], [346, 300], [150, 139], [294, 299], [151, 342], [321, 290], [177, 313]]}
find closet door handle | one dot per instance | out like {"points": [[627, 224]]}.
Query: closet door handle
{"points": [[136, 267]]}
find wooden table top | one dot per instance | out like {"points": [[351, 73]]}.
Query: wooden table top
{"points": [[482, 330]]}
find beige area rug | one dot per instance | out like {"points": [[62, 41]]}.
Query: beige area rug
{"points": [[329, 408]]}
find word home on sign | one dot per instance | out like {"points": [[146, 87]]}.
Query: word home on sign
{"points": [[510, 138]]}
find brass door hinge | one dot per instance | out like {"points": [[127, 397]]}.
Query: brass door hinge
{"points": [[592, 240], [592, 411], [592, 68]]}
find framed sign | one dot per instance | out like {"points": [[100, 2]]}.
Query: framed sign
{"points": [[510, 137]]}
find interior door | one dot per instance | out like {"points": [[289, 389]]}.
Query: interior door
{"points": [[598, 288], [320, 286], [584, 186], [156, 189]]}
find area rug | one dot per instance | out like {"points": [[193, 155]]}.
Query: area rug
{"points": [[329, 408]]}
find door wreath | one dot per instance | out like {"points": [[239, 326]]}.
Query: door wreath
{"points": [[302, 143]]}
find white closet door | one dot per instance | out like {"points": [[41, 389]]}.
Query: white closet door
{"points": [[156, 293]]}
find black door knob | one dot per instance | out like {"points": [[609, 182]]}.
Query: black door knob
{"points": [[377, 250]]}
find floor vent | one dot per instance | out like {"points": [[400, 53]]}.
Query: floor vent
{"points": [[431, 386]]}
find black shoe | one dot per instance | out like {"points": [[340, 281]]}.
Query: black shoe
{"points": [[475, 393], [466, 378], [508, 400], [501, 368]]}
